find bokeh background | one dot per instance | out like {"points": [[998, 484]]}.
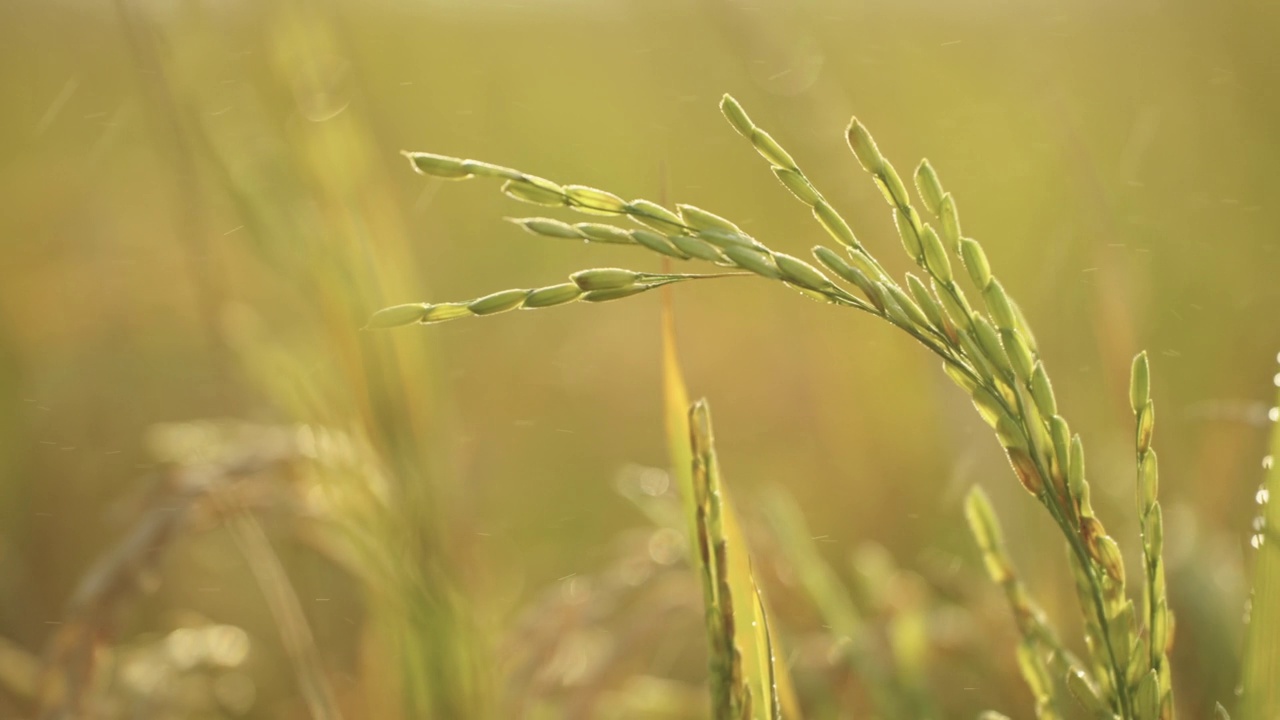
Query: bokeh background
{"points": [[218, 498]]}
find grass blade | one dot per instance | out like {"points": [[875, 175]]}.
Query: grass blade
{"points": [[1261, 681], [675, 417], [295, 633], [746, 679]]}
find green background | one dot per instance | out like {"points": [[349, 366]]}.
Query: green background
{"points": [[201, 202]]}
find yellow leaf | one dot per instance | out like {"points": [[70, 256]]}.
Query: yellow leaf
{"points": [[747, 680]]}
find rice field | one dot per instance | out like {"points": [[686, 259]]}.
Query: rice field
{"points": [[248, 470]]}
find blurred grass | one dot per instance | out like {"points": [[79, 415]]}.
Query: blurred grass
{"points": [[201, 203]]}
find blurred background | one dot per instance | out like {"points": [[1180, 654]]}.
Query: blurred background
{"points": [[219, 498]]}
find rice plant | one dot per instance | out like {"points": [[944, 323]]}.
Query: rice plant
{"points": [[957, 308]]}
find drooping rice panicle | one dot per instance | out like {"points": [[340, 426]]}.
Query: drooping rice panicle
{"points": [[793, 178], [1014, 379], [694, 233], [990, 352]]}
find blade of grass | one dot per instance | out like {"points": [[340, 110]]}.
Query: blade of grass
{"points": [[1261, 681], [295, 632], [746, 679], [675, 419]]}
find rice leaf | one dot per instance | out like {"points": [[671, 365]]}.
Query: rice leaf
{"points": [[747, 680], [1261, 674]]}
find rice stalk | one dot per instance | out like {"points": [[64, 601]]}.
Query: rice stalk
{"points": [[1155, 690]]}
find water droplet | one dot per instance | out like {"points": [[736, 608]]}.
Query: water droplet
{"points": [[1256, 541], [1262, 496], [1267, 462], [1259, 524], [1273, 414]]}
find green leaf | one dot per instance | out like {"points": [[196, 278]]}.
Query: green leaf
{"points": [[746, 678], [1261, 674]]}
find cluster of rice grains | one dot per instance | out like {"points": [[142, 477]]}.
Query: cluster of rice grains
{"points": [[595, 285], [986, 347]]}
